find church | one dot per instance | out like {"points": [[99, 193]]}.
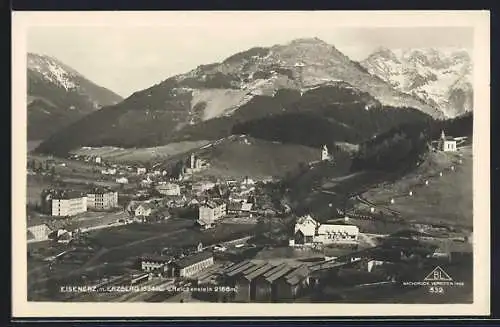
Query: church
{"points": [[447, 143], [325, 155]]}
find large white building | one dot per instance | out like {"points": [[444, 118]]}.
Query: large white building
{"points": [[308, 231], [209, 212], [328, 234], [68, 204], [192, 265], [102, 199]]}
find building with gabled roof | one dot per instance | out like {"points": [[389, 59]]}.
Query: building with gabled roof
{"points": [[192, 264], [289, 286], [305, 230], [447, 143]]}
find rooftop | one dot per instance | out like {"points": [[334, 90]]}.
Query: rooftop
{"points": [[65, 194], [100, 190], [297, 275], [239, 268], [277, 273], [156, 258], [193, 259], [259, 271]]}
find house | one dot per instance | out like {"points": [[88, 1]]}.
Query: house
{"points": [[305, 230], [138, 209], [98, 160], [141, 170], [122, 180], [169, 189], [248, 181], [447, 144], [193, 202], [64, 236], [109, 171], [63, 203], [143, 210], [154, 263], [239, 208], [192, 264], [200, 187], [38, 232], [328, 234], [211, 211], [101, 198]]}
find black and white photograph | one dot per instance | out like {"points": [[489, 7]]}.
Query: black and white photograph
{"points": [[177, 160]]}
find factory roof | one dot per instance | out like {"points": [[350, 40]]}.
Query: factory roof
{"points": [[240, 269], [156, 258], [193, 259], [297, 275], [278, 273], [259, 271]]}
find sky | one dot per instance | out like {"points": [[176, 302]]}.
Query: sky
{"points": [[128, 58]]}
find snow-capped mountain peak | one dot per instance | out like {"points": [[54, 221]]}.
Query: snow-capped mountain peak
{"points": [[58, 95], [53, 70], [441, 77]]}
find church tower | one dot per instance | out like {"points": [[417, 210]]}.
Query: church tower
{"points": [[443, 136], [324, 153], [300, 69], [192, 161]]}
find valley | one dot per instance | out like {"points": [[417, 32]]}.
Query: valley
{"points": [[288, 173]]}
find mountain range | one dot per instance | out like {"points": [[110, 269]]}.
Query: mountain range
{"points": [[58, 95], [304, 92], [441, 77]]}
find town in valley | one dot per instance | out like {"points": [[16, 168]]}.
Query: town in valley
{"points": [[274, 176]]}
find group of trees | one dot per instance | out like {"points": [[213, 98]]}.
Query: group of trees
{"points": [[39, 166], [403, 146]]}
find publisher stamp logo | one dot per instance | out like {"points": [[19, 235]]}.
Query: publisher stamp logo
{"points": [[438, 275], [438, 280]]}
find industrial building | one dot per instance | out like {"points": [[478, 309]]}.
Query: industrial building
{"points": [[328, 234], [191, 265], [265, 285], [264, 282], [308, 232], [290, 286]]}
